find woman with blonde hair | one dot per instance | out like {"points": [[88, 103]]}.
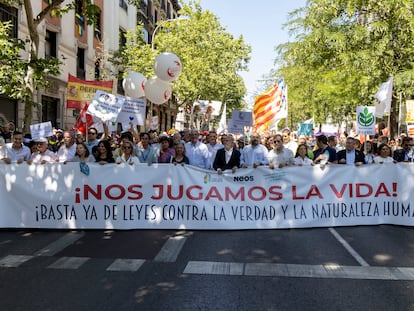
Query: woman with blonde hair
{"points": [[127, 154]]}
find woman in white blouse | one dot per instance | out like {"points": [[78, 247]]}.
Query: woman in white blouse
{"points": [[127, 154], [384, 155], [301, 157]]}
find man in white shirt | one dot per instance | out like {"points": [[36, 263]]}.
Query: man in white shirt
{"points": [[16, 151], [288, 142], [255, 154], [280, 156], [67, 151], [197, 152], [43, 154], [213, 146]]}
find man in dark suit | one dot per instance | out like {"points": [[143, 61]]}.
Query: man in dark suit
{"points": [[227, 158], [350, 155]]}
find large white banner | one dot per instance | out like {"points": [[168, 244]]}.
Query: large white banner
{"points": [[165, 196]]}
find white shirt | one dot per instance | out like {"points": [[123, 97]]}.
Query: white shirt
{"points": [[198, 154], [131, 160], [253, 155], [66, 154], [212, 151], [350, 157], [48, 156], [380, 160], [228, 154], [285, 156], [303, 162], [14, 155], [3, 152], [291, 145]]}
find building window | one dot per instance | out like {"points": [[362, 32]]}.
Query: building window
{"points": [[98, 29], [80, 64], [79, 18], [122, 38], [145, 35], [50, 44], [9, 14], [123, 4], [119, 86]]}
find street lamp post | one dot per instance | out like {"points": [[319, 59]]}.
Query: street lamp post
{"points": [[156, 29], [160, 23]]}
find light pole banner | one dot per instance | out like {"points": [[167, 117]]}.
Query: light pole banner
{"points": [[165, 196]]}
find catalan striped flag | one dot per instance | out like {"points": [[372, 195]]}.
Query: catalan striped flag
{"points": [[271, 106]]}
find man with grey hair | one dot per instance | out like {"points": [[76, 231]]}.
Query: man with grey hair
{"points": [[197, 152], [67, 151]]}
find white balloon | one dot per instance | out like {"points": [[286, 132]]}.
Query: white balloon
{"points": [[167, 66], [133, 84], [157, 91]]}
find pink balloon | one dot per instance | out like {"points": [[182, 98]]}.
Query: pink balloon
{"points": [[133, 84], [167, 66], [157, 91]]}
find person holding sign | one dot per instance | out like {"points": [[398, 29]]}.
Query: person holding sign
{"points": [[104, 153], [179, 156], [406, 153], [255, 154], [43, 154], [280, 155], [384, 155], [350, 155], [197, 152], [127, 154], [324, 154], [227, 158], [67, 150], [16, 151], [301, 156], [146, 152], [166, 151]]}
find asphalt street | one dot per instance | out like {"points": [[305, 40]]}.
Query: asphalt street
{"points": [[343, 268]]}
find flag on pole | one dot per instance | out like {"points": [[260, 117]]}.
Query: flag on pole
{"points": [[81, 92], [83, 121], [384, 97], [223, 123], [271, 106]]}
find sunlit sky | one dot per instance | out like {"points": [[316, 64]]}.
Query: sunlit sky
{"points": [[261, 24]]}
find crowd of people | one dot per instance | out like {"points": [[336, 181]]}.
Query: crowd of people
{"points": [[207, 150]]}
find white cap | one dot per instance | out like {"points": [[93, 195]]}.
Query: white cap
{"points": [[40, 140]]}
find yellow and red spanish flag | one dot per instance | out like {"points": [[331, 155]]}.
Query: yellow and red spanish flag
{"points": [[81, 92], [271, 106]]}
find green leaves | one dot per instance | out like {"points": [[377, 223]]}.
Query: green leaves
{"points": [[366, 118], [211, 57], [343, 51]]}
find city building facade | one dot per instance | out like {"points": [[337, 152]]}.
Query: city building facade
{"points": [[84, 51]]}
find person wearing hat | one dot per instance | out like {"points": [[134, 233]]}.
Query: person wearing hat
{"points": [[43, 154], [16, 151]]}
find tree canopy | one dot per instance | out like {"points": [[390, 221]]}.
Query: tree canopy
{"points": [[22, 70], [211, 57], [342, 52]]}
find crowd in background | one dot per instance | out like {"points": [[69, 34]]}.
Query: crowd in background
{"points": [[208, 150]]}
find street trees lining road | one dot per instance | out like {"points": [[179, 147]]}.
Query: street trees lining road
{"points": [[343, 51]]}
